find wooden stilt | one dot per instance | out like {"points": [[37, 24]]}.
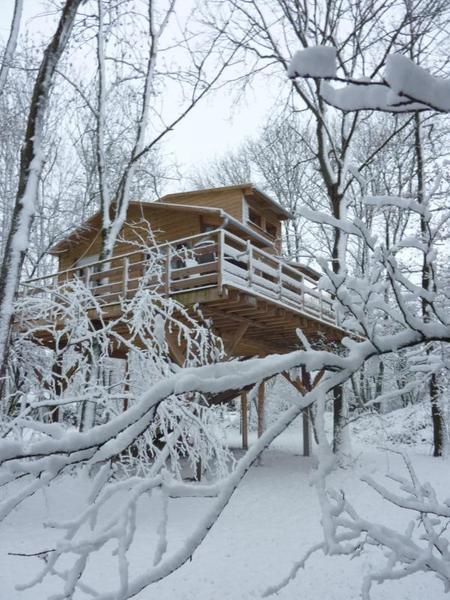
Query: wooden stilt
{"points": [[306, 433], [261, 395], [306, 421], [244, 419]]}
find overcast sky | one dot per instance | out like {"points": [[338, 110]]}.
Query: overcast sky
{"points": [[211, 129]]}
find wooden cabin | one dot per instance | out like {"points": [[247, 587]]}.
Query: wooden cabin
{"points": [[222, 251]]}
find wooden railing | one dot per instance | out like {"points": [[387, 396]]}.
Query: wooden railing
{"points": [[214, 259]]}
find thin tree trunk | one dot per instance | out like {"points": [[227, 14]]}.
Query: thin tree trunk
{"points": [[338, 417], [11, 44], [437, 419], [379, 384]]}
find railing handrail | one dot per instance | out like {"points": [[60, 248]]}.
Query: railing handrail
{"points": [[262, 270], [120, 256], [228, 234], [271, 257]]}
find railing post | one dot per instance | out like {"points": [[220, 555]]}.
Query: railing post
{"points": [[125, 268], [87, 278], [250, 263], [220, 259], [168, 269], [280, 280], [302, 291]]}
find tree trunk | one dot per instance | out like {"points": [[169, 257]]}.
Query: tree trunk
{"points": [[31, 161], [437, 419], [338, 417]]}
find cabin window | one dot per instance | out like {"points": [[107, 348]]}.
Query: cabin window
{"points": [[271, 229], [254, 217]]}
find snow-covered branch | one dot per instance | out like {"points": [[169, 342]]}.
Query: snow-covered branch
{"points": [[405, 87], [422, 547]]}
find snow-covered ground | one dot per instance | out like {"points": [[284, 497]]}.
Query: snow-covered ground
{"points": [[271, 520]]}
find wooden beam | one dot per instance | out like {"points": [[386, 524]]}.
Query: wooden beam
{"points": [[306, 379], [306, 420], [317, 378], [261, 397], [227, 317], [231, 346], [295, 382], [244, 419]]}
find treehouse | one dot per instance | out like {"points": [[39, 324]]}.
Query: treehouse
{"points": [[222, 252]]}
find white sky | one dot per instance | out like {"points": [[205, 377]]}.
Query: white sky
{"points": [[212, 128]]}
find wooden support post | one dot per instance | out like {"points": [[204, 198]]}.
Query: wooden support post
{"points": [[306, 382], [261, 394], [304, 386], [306, 433], [244, 419]]}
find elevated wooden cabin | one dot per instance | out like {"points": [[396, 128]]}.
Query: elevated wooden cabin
{"points": [[234, 271], [222, 251]]}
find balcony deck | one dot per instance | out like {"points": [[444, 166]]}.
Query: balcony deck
{"points": [[256, 300]]}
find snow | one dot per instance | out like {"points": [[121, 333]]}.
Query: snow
{"points": [[408, 79], [270, 522], [366, 96], [317, 61], [405, 87]]}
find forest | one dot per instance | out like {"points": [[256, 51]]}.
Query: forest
{"points": [[224, 299]]}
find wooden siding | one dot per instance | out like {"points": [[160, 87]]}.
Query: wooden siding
{"points": [[230, 201], [268, 216], [166, 226]]}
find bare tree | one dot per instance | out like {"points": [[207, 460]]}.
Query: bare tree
{"points": [[393, 94], [11, 44], [150, 123], [274, 28], [30, 170]]}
